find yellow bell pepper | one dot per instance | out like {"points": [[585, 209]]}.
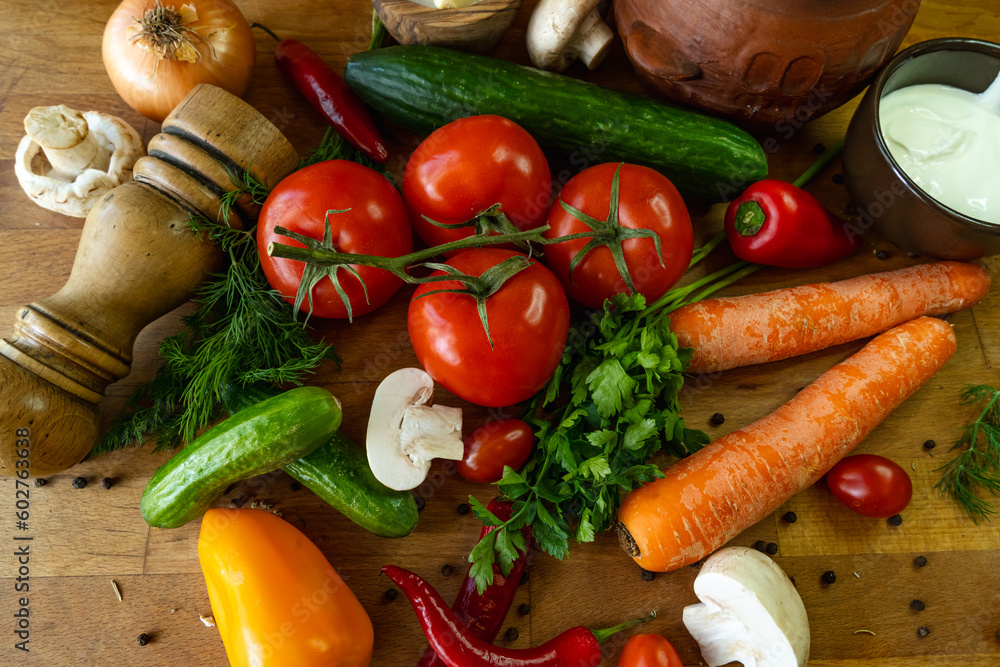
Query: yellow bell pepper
{"points": [[276, 599]]}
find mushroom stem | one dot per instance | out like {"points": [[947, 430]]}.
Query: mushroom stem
{"points": [[431, 432], [592, 40], [65, 137]]}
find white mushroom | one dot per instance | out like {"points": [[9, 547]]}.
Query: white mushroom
{"points": [[69, 159], [561, 31], [750, 612], [405, 434]]}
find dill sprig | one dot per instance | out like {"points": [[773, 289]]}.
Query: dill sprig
{"points": [[977, 466], [241, 333]]}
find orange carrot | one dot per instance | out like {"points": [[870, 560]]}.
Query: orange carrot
{"points": [[740, 331], [710, 497]]}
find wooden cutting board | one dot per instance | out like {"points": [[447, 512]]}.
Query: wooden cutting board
{"points": [[84, 539]]}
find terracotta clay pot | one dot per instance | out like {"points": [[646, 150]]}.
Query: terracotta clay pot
{"points": [[765, 64]]}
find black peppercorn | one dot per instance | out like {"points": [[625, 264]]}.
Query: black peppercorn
{"points": [[718, 419], [922, 631], [789, 517], [391, 594], [760, 545], [463, 509], [107, 482], [446, 570], [294, 486], [511, 634], [930, 444], [647, 575], [920, 561], [838, 179], [895, 520], [819, 149], [524, 579], [524, 609], [420, 503], [772, 548], [829, 577], [142, 639], [917, 605], [41, 481], [881, 254], [239, 501], [79, 482]]}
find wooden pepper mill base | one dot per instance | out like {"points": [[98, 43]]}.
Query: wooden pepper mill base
{"points": [[138, 259]]}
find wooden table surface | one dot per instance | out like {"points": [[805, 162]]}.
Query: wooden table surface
{"points": [[84, 539]]}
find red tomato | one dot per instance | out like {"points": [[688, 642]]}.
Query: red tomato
{"points": [[468, 166], [495, 444], [646, 200], [376, 223], [529, 320], [871, 485], [649, 651]]}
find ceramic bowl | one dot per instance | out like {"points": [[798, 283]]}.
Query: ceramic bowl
{"points": [[886, 198]]}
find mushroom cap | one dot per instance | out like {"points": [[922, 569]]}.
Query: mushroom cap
{"points": [[749, 612], [560, 31], [76, 198]]}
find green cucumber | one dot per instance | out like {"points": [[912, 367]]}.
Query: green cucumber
{"points": [[424, 87], [338, 472], [255, 440]]}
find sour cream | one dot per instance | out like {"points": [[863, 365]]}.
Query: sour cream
{"points": [[947, 140]]}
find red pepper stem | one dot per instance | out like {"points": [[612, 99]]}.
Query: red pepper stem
{"points": [[603, 635], [267, 30], [826, 158]]}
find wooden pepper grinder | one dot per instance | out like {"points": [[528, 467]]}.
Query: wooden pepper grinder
{"points": [[138, 259]]}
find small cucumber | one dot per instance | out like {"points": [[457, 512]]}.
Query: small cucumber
{"points": [[255, 440], [338, 472]]}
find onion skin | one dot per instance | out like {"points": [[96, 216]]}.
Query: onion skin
{"points": [[154, 86]]}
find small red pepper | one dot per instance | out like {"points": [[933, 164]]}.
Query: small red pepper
{"points": [[484, 613], [457, 646], [329, 94], [778, 224]]}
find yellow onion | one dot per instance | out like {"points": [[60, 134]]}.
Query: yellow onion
{"points": [[156, 53]]}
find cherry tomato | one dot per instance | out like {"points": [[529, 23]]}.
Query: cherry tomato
{"points": [[649, 651], [495, 444], [871, 485], [529, 320], [375, 223], [646, 200], [469, 165]]}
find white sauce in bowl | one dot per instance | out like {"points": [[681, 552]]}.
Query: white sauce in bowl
{"points": [[947, 140]]}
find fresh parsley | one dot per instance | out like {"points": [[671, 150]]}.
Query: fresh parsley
{"points": [[976, 468]]}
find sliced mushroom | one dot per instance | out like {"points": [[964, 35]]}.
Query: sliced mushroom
{"points": [[405, 433], [560, 31], [750, 612], [69, 159]]}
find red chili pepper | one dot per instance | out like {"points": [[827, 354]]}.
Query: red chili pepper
{"points": [[457, 646], [777, 224], [484, 614], [329, 94]]}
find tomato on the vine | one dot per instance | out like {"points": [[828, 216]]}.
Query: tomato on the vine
{"points": [[871, 485], [495, 444], [649, 651], [469, 165], [367, 216], [528, 323], [647, 200]]}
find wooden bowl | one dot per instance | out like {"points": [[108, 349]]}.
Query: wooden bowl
{"points": [[476, 28]]}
